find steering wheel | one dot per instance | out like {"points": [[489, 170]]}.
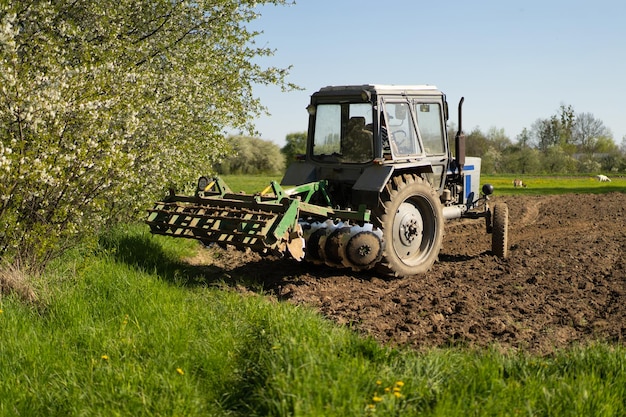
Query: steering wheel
{"points": [[400, 137]]}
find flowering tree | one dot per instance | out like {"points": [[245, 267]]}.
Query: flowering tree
{"points": [[106, 103]]}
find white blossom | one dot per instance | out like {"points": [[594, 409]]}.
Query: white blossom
{"points": [[93, 107]]}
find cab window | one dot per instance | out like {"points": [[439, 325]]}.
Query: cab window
{"points": [[430, 127]]}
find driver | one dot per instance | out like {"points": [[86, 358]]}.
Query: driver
{"points": [[384, 136]]}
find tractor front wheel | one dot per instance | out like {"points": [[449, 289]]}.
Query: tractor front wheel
{"points": [[410, 215]]}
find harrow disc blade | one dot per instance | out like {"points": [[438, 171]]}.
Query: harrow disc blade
{"points": [[296, 243], [363, 250], [334, 245]]}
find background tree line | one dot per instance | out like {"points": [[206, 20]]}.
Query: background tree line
{"points": [[564, 143], [252, 155]]}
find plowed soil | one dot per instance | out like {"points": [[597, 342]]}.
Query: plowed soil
{"points": [[563, 283]]}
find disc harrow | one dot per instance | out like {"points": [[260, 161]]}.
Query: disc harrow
{"points": [[275, 220], [221, 223], [342, 245]]}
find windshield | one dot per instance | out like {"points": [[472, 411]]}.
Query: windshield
{"points": [[343, 133]]}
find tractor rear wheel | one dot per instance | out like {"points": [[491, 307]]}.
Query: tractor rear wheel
{"points": [[500, 230], [411, 218]]}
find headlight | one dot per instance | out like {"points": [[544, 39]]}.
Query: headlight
{"points": [[202, 183]]}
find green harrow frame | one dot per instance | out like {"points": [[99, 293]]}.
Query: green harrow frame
{"points": [[265, 221]]}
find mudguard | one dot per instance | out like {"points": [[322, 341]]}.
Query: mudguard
{"points": [[299, 173]]}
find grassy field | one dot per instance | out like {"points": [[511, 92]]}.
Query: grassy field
{"points": [[249, 183], [128, 329], [536, 185], [542, 185]]}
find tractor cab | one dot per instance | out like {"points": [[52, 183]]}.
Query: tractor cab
{"points": [[359, 136]]}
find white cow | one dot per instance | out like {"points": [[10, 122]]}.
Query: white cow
{"points": [[603, 178]]}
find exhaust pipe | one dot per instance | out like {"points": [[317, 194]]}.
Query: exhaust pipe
{"points": [[459, 140]]}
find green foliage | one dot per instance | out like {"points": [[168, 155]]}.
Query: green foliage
{"points": [[587, 131], [296, 145], [476, 143], [252, 156], [521, 159], [555, 160], [565, 143], [121, 333], [104, 104], [547, 132]]}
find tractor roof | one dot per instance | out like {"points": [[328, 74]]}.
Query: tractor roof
{"points": [[379, 89]]}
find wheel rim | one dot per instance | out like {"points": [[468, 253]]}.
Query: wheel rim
{"points": [[413, 232]]}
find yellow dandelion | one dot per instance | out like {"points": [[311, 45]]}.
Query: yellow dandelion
{"points": [[0, 311], [396, 389], [371, 406], [180, 371], [377, 399], [397, 394], [387, 389], [379, 382], [399, 384], [104, 357]]}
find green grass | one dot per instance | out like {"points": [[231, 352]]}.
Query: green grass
{"points": [[130, 330], [537, 185], [544, 185], [250, 183]]}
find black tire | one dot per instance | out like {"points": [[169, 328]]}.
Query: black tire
{"points": [[411, 218], [500, 230]]}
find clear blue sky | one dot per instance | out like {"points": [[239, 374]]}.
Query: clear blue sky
{"points": [[514, 61]]}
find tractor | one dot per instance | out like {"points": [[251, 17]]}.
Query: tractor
{"points": [[374, 189]]}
